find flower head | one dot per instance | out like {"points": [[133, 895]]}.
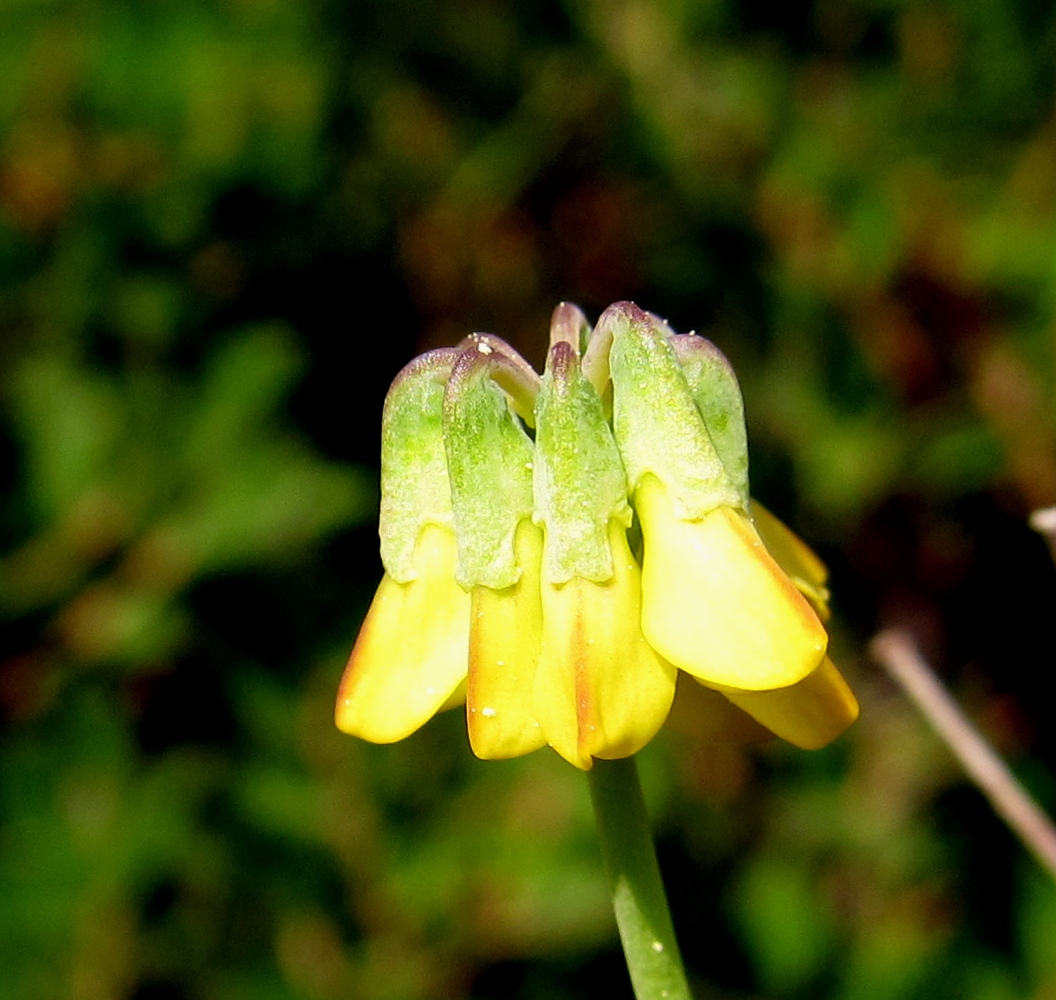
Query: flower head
{"points": [[583, 579]]}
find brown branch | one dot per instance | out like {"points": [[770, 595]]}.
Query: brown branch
{"points": [[896, 652]]}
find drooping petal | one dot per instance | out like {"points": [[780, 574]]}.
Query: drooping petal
{"points": [[412, 651], [716, 604], [600, 689], [504, 641], [809, 714]]}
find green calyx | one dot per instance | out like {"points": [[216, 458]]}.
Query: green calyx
{"points": [[414, 480], [692, 441], [580, 484], [489, 462], [455, 452], [715, 390]]}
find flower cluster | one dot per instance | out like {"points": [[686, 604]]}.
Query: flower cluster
{"points": [[576, 558]]}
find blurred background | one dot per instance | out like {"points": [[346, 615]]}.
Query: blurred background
{"points": [[226, 224]]}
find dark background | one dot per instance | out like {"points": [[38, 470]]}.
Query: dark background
{"points": [[226, 224]]}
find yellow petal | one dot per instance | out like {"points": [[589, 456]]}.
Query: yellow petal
{"points": [[716, 604], [504, 640], [600, 689], [456, 699], [704, 714], [795, 557], [413, 649], [809, 714]]}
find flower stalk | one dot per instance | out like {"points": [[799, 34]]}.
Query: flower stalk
{"points": [[642, 914]]}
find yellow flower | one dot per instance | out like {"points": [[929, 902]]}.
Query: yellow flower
{"points": [[600, 690], [730, 596], [504, 641], [511, 583], [810, 712], [715, 602], [410, 659]]}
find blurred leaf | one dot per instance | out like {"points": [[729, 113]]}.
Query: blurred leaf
{"points": [[785, 922]]}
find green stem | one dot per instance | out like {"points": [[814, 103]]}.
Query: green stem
{"points": [[642, 915]]}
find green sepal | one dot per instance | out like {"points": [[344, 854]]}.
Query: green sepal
{"points": [[657, 423], [718, 397], [489, 462], [580, 485], [414, 481]]}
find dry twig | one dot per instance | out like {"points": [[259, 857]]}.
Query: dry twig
{"points": [[896, 652]]}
